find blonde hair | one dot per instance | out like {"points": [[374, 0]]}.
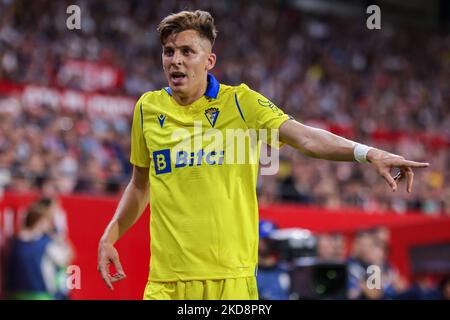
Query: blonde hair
{"points": [[200, 21]]}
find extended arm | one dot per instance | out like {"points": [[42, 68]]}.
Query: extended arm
{"points": [[322, 144]]}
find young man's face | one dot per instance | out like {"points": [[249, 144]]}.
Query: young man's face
{"points": [[186, 59]]}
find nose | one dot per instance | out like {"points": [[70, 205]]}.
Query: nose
{"points": [[177, 58]]}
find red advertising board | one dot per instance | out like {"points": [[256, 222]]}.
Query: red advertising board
{"points": [[88, 216]]}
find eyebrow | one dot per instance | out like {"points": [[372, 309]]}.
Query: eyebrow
{"points": [[178, 47]]}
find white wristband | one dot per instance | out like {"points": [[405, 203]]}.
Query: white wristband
{"points": [[360, 152]]}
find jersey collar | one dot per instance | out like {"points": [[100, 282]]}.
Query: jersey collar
{"points": [[212, 90]]}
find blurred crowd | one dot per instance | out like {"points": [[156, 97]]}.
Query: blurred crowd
{"points": [[328, 266], [322, 70]]}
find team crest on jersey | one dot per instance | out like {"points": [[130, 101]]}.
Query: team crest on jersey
{"points": [[161, 119], [212, 114]]}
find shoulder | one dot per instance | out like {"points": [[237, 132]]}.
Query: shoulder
{"points": [[248, 96], [151, 96], [245, 92], [240, 91]]}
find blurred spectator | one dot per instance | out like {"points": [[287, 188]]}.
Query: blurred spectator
{"points": [[330, 248], [382, 235], [444, 288], [35, 258], [59, 234], [422, 288], [369, 258], [356, 266]]}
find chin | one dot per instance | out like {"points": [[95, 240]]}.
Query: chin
{"points": [[177, 89], [180, 87], [181, 92]]}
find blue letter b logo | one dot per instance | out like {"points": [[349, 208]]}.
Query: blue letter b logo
{"points": [[162, 162]]}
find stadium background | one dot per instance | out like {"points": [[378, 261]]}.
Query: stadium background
{"points": [[66, 99]]}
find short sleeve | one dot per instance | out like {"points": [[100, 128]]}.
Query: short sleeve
{"points": [[259, 112], [139, 152]]}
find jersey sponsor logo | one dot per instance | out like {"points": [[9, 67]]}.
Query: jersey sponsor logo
{"points": [[269, 104], [161, 119], [212, 114], [183, 159], [198, 147], [162, 162]]}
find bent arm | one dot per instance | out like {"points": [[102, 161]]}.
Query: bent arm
{"points": [[316, 143], [131, 205]]}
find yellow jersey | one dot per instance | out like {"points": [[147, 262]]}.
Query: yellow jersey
{"points": [[204, 209]]}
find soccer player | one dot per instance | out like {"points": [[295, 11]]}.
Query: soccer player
{"points": [[204, 210]]}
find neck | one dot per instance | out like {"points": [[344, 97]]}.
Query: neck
{"points": [[185, 100]]}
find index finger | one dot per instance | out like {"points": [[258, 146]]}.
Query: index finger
{"points": [[413, 164]]}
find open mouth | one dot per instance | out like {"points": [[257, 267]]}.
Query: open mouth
{"points": [[177, 75]]}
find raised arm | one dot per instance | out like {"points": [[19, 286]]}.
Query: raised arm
{"points": [[130, 208], [322, 144]]}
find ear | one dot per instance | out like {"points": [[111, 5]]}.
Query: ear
{"points": [[211, 62]]}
